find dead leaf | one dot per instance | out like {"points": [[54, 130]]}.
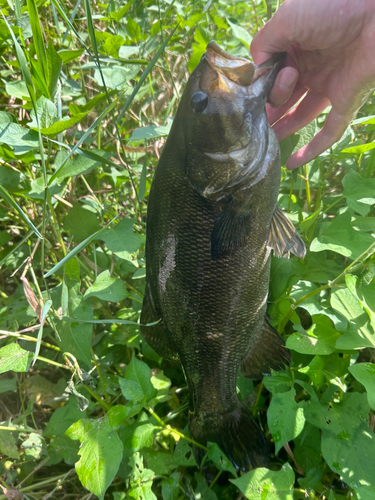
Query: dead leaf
{"points": [[31, 297]]}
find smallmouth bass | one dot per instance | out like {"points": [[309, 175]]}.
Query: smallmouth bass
{"points": [[212, 221]]}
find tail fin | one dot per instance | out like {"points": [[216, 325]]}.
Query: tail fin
{"points": [[238, 435]]}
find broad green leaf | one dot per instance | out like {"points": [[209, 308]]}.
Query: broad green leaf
{"points": [[138, 372], [296, 141], [359, 334], [79, 429], [140, 479], [365, 373], [74, 337], [112, 44], [63, 418], [68, 55], [170, 489], [20, 139], [307, 449], [202, 490], [46, 111], [59, 126], [319, 339], [127, 50], [117, 77], [315, 371], [119, 14], [8, 444], [359, 192], [80, 223], [81, 164], [367, 300], [285, 418], [264, 484], [319, 268], [284, 273], [364, 224], [54, 65], [360, 149], [122, 240], [138, 435], [340, 237], [162, 462], [33, 446], [242, 34], [107, 288], [132, 390], [118, 413], [348, 445], [66, 448], [7, 118], [219, 459], [309, 221], [311, 304], [150, 132], [365, 492], [101, 454], [134, 30], [278, 382], [17, 89], [13, 357], [8, 384]]}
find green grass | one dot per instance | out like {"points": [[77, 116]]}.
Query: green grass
{"points": [[86, 101]]}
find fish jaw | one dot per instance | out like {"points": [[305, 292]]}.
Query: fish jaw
{"points": [[256, 81]]}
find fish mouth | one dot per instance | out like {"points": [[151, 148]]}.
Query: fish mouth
{"points": [[257, 79]]}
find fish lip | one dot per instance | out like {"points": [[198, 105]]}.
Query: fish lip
{"points": [[241, 71]]}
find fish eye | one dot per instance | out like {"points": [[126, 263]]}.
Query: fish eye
{"points": [[198, 101]]}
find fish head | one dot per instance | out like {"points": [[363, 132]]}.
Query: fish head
{"points": [[223, 114], [225, 95]]}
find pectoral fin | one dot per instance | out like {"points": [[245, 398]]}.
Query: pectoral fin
{"points": [[283, 237], [230, 230]]}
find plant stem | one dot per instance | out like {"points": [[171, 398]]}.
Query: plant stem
{"points": [[172, 430], [29, 338], [95, 396], [330, 284]]}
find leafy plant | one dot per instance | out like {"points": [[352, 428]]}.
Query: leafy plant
{"points": [[88, 408]]}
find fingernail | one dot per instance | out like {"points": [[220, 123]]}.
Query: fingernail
{"points": [[287, 79]]}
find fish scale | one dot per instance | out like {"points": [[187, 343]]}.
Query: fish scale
{"points": [[208, 250]]}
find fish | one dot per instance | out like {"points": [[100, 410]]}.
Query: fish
{"points": [[212, 222]]}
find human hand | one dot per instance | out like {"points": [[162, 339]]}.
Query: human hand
{"points": [[330, 45]]}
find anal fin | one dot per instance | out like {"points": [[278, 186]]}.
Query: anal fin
{"points": [[230, 230], [156, 335], [283, 237], [269, 352]]}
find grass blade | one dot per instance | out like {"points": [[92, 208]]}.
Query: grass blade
{"points": [[23, 64], [84, 136], [46, 308], [77, 249], [39, 46], [4, 193], [145, 74]]}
